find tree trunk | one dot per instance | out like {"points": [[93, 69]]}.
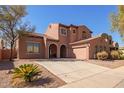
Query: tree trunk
{"points": [[11, 52], [29, 80]]}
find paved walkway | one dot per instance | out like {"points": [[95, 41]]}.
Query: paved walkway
{"points": [[81, 74]]}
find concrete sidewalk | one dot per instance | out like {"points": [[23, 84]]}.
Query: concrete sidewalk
{"points": [[81, 74]]}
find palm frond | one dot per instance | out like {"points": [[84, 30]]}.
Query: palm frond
{"points": [[26, 72]]}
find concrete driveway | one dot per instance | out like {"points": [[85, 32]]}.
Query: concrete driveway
{"points": [[81, 74]]}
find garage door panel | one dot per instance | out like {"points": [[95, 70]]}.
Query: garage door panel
{"points": [[80, 53]]}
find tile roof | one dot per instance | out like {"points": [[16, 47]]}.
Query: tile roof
{"points": [[76, 26], [42, 35], [84, 41], [49, 37], [35, 34]]}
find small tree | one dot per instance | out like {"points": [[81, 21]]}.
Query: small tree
{"points": [[102, 55], [11, 25], [105, 35], [115, 54], [117, 21]]}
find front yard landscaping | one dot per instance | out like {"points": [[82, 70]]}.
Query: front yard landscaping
{"points": [[45, 80], [112, 59], [110, 63]]}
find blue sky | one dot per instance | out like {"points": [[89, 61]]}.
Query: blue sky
{"points": [[96, 18]]}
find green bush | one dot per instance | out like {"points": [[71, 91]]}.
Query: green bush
{"points": [[115, 54], [27, 72], [102, 55]]}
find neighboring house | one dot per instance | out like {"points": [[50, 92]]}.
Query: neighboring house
{"points": [[62, 41]]}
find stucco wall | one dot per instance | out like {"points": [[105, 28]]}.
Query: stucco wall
{"points": [[63, 38], [58, 45], [73, 36], [48, 43], [87, 33], [6, 54], [99, 42], [87, 49], [22, 48], [53, 31]]}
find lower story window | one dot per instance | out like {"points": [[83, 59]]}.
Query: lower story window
{"points": [[33, 47]]}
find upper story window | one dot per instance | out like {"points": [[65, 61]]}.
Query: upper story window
{"points": [[33, 47], [74, 31], [63, 32], [83, 32], [84, 36]]}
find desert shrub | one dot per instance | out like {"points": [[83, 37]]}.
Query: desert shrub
{"points": [[102, 55], [122, 57], [115, 54], [99, 56], [120, 52], [27, 72]]}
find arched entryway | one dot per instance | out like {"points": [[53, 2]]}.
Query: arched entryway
{"points": [[63, 51], [52, 51]]}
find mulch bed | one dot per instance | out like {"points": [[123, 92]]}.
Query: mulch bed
{"points": [[45, 80], [110, 63]]}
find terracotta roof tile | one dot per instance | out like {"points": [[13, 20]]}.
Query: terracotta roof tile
{"points": [[49, 37], [35, 34], [86, 40]]}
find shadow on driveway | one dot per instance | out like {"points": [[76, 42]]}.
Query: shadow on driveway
{"points": [[6, 65]]}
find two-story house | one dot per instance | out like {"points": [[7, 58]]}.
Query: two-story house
{"points": [[62, 41]]}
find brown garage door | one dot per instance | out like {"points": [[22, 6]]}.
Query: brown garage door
{"points": [[80, 53]]}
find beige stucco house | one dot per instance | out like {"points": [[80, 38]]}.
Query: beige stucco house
{"points": [[62, 41]]}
